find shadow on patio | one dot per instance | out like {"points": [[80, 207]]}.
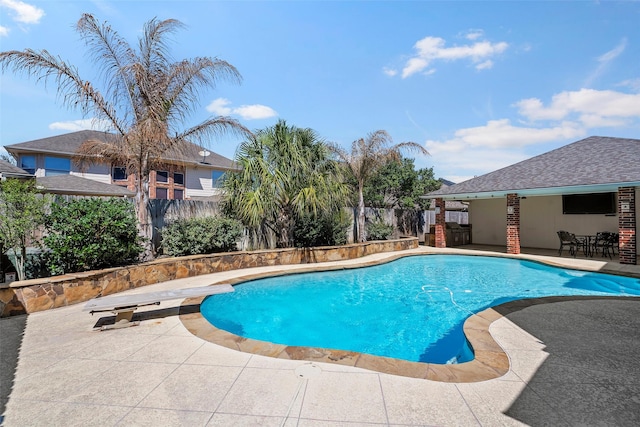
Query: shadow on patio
{"points": [[592, 373], [11, 333]]}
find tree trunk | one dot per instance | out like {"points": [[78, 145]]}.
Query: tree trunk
{"points": [[285, 229], [142, 210], [362, 234], [21, 262]]}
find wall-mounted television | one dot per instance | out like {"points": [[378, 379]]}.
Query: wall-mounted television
{"points": [[591, 203]]}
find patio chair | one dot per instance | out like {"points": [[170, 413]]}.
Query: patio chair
{"points": [[609, 243], [569, 239], [599, 240]]}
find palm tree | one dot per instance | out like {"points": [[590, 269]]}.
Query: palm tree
{"points": [[145, 102], [366, 156], [286, 172]]}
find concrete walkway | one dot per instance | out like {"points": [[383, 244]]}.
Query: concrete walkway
{"points": [[56, 370]]}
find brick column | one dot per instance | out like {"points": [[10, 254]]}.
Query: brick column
{"points": [[513, 224], [627, 224], [441, 240]]}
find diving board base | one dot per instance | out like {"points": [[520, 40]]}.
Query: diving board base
{"points": [[123, 306], [120, 325]]}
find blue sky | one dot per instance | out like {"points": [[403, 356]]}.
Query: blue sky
{"points": [[481, 84]]}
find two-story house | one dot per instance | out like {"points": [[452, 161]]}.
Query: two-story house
{"points": [[194, 173]]}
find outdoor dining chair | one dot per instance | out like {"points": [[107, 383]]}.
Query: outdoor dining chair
{"points": [[599, 241], [609, 243], [569, 239]]}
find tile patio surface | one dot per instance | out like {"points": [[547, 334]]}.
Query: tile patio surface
{"points": [[572, 362]]}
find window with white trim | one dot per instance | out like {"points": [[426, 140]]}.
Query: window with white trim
{"points": [[178, 178], [119, 173], [162, 176]]}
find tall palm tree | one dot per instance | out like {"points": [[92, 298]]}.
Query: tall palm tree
{"points": [[366, 156], [145, 101], [285, 172]]}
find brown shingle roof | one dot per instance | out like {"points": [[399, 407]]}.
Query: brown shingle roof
{"points": [[591, 161], [69, 143], [7, 169], [73, 184]]}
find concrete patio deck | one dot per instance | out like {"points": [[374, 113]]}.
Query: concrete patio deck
{"points": [[572, 362]]}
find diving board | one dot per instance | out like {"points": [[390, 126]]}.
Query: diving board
{"points": [[123, 306]]}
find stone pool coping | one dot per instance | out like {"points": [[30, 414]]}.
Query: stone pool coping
{"points": [[490, 361]]}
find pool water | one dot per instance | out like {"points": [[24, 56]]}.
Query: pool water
{"points": [[413, 308]]}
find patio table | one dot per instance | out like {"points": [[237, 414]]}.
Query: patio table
{"points": [[586, 240]]}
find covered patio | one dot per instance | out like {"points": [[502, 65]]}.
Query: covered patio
{"points": [[583, 188]]}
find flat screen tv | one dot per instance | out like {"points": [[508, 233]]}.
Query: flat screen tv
{"points": [[591, 203]]}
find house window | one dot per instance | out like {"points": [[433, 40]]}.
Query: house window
{"points": [[119, 173], [592, 203], [28, 163], [216, 178], [161, 193], [56, 166], [162, 176], [178, 194], [178, 178]]}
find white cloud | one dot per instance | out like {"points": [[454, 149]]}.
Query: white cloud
{"points": [[485, 65], [613, 53], [4, 31], [389, 71], [498, 134], [475, 162], [604, 60], [84, 124], [474, 34], [585, 103], [569, 116], [415, 65], [23, 12], [633, 84], [220, 106], [431, 49], [255, 112], [478, 150]]}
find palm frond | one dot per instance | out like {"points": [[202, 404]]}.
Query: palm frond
{"points": [[115, 56]]}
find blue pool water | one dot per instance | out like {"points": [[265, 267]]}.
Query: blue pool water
{"points": [[412, 308]]}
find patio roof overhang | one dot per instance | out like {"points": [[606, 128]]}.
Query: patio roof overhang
{"points": [[547, 191]]}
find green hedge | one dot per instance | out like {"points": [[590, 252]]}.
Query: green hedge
{"points": [[91, 233], [200, 236]]}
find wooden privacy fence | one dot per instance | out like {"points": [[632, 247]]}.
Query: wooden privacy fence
{"points": [[165, 211], [406, 222], [412, 222]]}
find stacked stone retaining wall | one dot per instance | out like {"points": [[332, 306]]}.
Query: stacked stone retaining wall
{"points": [[30, 296]]}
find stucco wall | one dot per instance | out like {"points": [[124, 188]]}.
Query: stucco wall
{"points": [[489, 221], [42, 294]]}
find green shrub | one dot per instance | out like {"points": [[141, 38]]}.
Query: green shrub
{"points": [[325, 230], [201, 236], [89, 234], [378, 230]]}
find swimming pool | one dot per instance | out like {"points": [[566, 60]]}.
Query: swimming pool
{"points": [[413, 308]]}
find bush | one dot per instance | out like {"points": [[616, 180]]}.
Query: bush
{"points": [[378, 230], [89, 234], [201, 236], [326, 230]]}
